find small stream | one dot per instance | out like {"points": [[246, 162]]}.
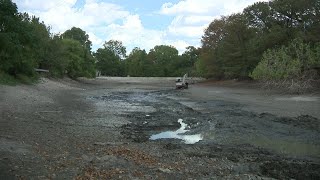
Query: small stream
{"points": [[179, 134]]}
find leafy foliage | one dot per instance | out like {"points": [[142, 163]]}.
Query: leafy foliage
{"points": [[77, 50], [136, 63], [162, 57], [55, 59], [162, 60], [226, 48], [26, 44], [291, 62], [256, 43], [78, 35], [109, 60], [22, 41], [232, 46], [116, 47]]}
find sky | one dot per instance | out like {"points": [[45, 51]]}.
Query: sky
{"points": [[137, 23]]}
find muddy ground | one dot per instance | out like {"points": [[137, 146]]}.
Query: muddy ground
{"points": [[101, 129]]}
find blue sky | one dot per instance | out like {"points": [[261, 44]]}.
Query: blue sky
{"points": [[137, 23]]}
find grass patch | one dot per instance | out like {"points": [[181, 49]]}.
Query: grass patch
{"points": [[7, 79], [27, 79]]}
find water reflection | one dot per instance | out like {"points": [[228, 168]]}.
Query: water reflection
{"points": [[179, 134]]}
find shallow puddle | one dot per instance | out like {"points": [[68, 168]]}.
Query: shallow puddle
{"points": [[179, 134], [298, 98]]}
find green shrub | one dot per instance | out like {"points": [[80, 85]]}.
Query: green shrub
{"points": [[291, 62], [7, 79], [27, 79]]}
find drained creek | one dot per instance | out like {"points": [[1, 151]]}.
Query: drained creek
{"points": [[154, 117], [133, 128]]}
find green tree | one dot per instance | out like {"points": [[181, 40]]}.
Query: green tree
{"points": [[23, 41], [79, 35], [234, 48], [185, 63], [225, 47], [162, 57], [38, 38], [136, 63], [107, 62], [8, 16], [109, 58], [214, 34], [74, 55], [26, 44], [260, 16], [191, 55], [55, 60], [233, 45], [116, 47], [86, 64], [208, 65]]}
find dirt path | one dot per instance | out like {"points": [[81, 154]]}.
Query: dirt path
{"points": [[102, 128]]}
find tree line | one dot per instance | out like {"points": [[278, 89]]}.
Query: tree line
{"points": [[160, 61], [271, 40], [26, 44], [278, 39]]}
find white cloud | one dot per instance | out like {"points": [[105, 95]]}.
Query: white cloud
{"points": [[194, 19], [179, 44], [96, 41], [102, 12], [202, 7], [99, 19], [182, 26], [44, 5], [193, 16], [133, 22], [91, 15], [188, 6], [62, 15], [133, 34]]}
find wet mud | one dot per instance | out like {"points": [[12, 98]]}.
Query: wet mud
{"points": [[114, 130], [252, 143]]}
